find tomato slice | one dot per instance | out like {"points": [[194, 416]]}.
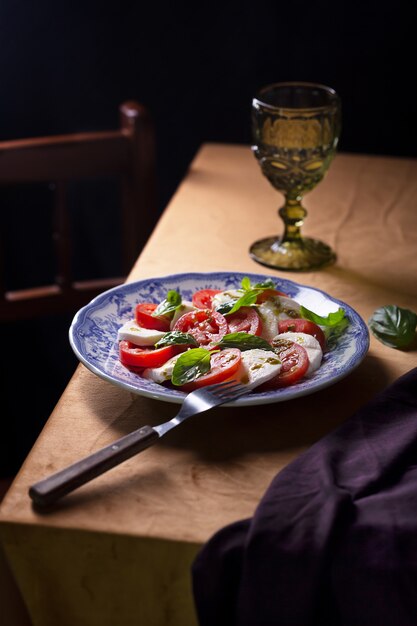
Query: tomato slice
{"points": [[206, 326], [134, 356], [269, 293], [294, 359], [246, 320], [144, 317], [223, 364], [300, 325], [202, 299]]}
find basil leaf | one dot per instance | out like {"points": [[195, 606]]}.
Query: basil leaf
{"points": [[267, 284], [191, 365], [393, 326], [175, 338], [226, 307], [243, 341], [332, 319], [170, 304], [246, 284], [247, 299]]}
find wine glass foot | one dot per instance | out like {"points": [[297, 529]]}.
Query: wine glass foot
{"points": [[295, 256]]}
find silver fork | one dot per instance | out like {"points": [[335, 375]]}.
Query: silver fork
{"points": [[57, 485]]}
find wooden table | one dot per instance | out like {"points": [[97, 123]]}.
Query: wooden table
{"points": [[119, 550]]}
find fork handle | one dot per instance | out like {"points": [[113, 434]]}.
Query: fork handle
{"points": [[57, 485]]}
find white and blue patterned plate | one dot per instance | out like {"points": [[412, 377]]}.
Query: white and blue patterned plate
{"points": [[93, 333]]}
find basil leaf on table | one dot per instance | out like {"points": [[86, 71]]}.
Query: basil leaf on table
{"points": [[191, 365], [243, 341], [169, 305], [175, 338], [393, 326]]}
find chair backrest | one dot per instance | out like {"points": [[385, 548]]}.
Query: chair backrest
{"points": [[127, 154]]}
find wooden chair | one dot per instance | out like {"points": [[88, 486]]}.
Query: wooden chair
{"points": [[127, 154]]}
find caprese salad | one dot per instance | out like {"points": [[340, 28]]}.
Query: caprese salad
{"points": [[254, 334]]}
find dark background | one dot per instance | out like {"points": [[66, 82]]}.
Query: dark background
{"points": [[67, 66]]}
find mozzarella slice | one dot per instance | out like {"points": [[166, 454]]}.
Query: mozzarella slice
{"points": [[310, 344], [185, 307], [269, 321], [258, 366], [274, 309], [131, 331], [161, 374]]}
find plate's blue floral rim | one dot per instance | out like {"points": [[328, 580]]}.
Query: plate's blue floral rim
{"points": [[93, 333]]}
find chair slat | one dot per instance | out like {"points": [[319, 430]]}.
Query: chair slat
{"points": [[79, 156], [127, 153]]}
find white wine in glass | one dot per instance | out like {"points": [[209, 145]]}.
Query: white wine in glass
{"points": [[296, 128]]}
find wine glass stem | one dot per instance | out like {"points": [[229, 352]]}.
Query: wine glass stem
{"points": [[293, 215]]}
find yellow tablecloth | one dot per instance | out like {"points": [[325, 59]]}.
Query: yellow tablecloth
{"points": [[119, 550]]}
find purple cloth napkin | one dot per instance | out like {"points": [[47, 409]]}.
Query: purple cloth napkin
{"points": [[334, 539]]}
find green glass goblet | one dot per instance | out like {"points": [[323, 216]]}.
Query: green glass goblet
{"points": [[296, 128]]}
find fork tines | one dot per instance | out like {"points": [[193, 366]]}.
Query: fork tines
{"points": [[230, 389]]}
